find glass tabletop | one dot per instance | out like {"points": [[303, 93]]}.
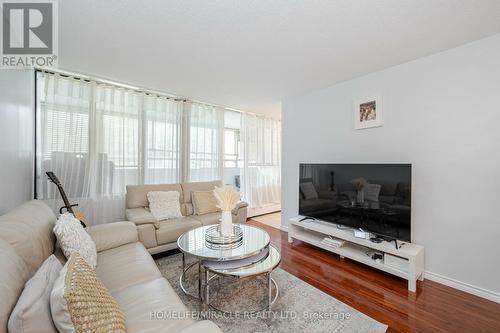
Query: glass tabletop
{"points": [[193, 242]]}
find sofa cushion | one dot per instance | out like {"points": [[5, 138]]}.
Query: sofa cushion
{"points": [[13, 274], [204, 202], [140, 216], [142, 302], [388, 188], [316, 205], [125, 266], [32, 311], [170, 230], [28, 228], [80, 302], [188, 188], [388, 199], [137, 194], [207, 219]]}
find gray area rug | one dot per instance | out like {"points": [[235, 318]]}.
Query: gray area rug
{"points": [[299, 308]]}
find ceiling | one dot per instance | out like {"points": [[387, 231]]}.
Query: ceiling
{"points": [[250, 54]]}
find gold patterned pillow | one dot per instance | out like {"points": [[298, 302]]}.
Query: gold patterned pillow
{"points": [[79, 301]]}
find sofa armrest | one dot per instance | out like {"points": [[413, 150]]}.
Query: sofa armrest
{"points": [[240, 212], [111, 235], [239, 205]]}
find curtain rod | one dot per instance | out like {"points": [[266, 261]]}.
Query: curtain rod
{"points": [[90, 78], [109, 82]]}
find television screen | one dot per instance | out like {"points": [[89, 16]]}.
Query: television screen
{"points": [[373, 197]]}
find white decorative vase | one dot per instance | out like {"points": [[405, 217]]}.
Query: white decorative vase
{"points": [[226, 223], [361, 196]]}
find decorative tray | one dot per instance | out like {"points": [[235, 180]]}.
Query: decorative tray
{"points": [[215, 240]]}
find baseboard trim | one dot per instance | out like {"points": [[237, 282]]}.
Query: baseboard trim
{"points": [[468, 288], [284, 228], [252, 212]]}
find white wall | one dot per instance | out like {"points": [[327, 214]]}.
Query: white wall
{"points": [[442, 113], [16, 137]]}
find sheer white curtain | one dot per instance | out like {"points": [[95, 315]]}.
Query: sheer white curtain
{"points": [[63, 145], [99, 138], [205, 144], [162, 149], [115, 144], [261, 173]]}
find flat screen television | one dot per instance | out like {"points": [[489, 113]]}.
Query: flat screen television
{"points": [[372, 197]]}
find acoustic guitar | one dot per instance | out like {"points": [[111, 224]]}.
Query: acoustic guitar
{"points": [[67, 206]]}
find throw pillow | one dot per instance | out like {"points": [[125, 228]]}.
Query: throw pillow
{"points": [[204, 202], [372, 192], [308, 191], [79, 301], [32, 311], [73, 238], [164, 204]]}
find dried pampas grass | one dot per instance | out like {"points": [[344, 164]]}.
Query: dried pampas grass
{"points": [[359, 183], [227, 197]]}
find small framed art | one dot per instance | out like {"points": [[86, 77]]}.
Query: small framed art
{"points": [[368, 113]]}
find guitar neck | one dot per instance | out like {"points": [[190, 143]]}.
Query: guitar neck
{"points": [[65, 199]]}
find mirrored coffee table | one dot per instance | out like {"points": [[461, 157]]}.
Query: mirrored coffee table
{"points": [[261, 264], [252, 257]]}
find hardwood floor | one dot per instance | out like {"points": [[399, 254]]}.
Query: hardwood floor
{"points": [[433, 308]]}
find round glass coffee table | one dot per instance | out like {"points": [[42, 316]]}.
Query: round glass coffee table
{"points": [[261, 264], [255, 242]]}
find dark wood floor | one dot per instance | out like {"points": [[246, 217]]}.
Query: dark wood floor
{"points": [[433, 308]]}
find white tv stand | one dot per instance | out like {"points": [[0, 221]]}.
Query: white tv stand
{"points": [[411, 266]]}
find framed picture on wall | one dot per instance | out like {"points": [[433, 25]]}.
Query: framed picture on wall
{"points": [[368, 112]]}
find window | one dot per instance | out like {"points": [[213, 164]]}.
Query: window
{"points": [[232, 148], [99, 137], [232, 139], [64, 142], [163, 118], [205, 138]]}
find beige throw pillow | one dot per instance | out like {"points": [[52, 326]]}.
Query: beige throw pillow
{"points": [[204, 202], [308, 191], [372, 192], [32, 311], [80, 303], [164, 205]]}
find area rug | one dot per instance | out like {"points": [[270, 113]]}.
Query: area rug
{"points": [[299, 308]]}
